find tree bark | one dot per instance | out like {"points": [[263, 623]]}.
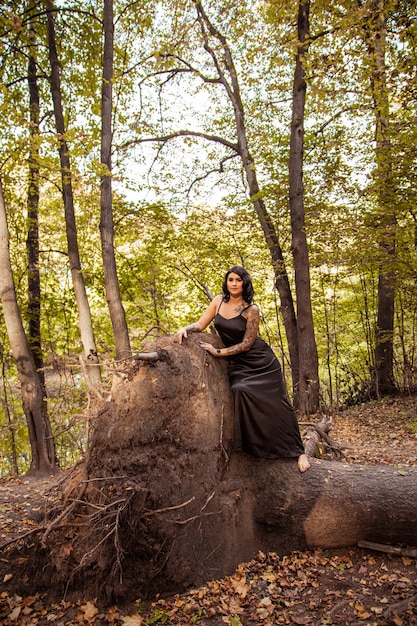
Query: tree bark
{"points": [[32, 242], [85, 324], [111, 283], [386, 220], [41, 441], [163, 502], [308, 381]]}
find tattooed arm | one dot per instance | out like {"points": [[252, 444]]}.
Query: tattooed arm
{"points": [[202, 323], [252, 325]]}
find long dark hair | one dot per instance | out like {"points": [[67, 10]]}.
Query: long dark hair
{"points": [[248, 291]]}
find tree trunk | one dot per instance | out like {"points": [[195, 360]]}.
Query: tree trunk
{"points": [[271, 237], [32, 242], [41, 441], [162, 502], [308, 382], [386, 221], [111, 283], [86, 328], [384, 333]]}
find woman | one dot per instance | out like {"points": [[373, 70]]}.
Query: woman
{"points": [[266, 425]]}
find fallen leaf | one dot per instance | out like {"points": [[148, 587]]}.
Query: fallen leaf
{"points": [[51, 617], [90, 611], [300, 619], [240, 587], [14, 615], [235, 607], [262, 613], [377, 610], [133, 620]]}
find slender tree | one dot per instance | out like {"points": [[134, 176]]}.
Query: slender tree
{"points": [[85, 323], [111, 283], [40, 434], [375, 29], [308, 381], [32, 243]]}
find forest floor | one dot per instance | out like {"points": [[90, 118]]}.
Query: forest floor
{"points": [[350, 586]]}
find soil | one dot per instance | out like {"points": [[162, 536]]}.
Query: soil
{"points": [[321, 587]]}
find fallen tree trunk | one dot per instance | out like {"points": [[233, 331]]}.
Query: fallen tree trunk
{"points": [[161, 502]]}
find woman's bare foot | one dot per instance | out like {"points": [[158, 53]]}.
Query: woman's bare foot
{"points": [[303, 463]]}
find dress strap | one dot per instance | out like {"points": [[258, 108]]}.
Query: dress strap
{"points": [[246, 308], [221, 302]]}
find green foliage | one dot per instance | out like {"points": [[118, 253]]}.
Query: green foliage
{"points": [[14, 453], [159, 617], [412, 427]]}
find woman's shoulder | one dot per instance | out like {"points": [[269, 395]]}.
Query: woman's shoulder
{"points": [[216, 302]]}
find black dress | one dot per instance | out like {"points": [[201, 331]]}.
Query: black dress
{"points": [[265, 422]]}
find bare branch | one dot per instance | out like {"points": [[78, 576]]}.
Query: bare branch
{"points": [[182, 133], [146, 356], [200, 285], [218, 170], [381, 547], [233, 90], [190, 68], [334, 117]]}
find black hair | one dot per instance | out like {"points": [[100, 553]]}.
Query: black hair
{"points": [[248, 291]]}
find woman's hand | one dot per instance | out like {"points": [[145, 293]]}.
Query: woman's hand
{"points": [[209, 348], [180, 335]]}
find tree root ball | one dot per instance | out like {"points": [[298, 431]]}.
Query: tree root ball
{"points": [[148, 514]]}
